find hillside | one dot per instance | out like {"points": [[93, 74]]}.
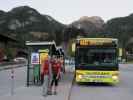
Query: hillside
{"points": [[121, 28], [25, 23], [85, 26]]}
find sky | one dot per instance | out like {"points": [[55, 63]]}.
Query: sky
{"points": [[67, 11]]}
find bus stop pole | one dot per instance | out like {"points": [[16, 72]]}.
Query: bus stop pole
{"points": [[12, 81], [28, 65]]}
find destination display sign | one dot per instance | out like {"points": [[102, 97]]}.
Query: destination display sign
{"points": [[94, 42]]}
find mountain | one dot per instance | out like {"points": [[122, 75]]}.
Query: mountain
{"points": [[121, 28], [85, 26], [89, 24], [97, 21], [25, 23]]}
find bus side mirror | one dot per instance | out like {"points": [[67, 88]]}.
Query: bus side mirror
{"points": [[120, 53]]}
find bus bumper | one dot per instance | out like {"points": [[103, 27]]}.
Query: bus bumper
{"points": [[97, 76]]}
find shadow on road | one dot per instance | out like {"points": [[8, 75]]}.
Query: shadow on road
{"points": [[96, 84]]}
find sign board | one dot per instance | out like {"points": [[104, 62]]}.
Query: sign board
{"points": [[35, 58], [43, 54], [44, 50]]}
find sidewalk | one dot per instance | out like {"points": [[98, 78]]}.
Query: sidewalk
{"points": [[35, 92]]}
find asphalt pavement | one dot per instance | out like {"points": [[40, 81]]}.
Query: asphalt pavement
{"points": [[20, 75], [121, 91]]}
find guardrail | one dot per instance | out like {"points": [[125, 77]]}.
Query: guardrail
{"points": [[9, 65]]}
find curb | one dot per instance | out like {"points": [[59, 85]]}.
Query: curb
{"points": [[70, 91]]}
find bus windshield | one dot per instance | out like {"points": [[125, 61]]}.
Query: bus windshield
{"points": [[96, 56]]}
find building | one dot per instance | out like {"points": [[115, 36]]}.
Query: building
{"points": [[6, 45]]}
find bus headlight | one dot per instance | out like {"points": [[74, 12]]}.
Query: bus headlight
{"points": [[115, 77], [79, 76]]}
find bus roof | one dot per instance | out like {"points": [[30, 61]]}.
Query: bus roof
{"points": [[110, 39], [97, 41]]}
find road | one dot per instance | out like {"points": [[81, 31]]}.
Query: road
{"points": [[5, 79], [121, 91]]}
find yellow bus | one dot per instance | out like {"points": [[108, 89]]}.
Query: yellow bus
{"points": [[96, 60]]}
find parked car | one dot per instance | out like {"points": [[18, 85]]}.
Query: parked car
{"points": [[20, 59], [5, 59]]}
